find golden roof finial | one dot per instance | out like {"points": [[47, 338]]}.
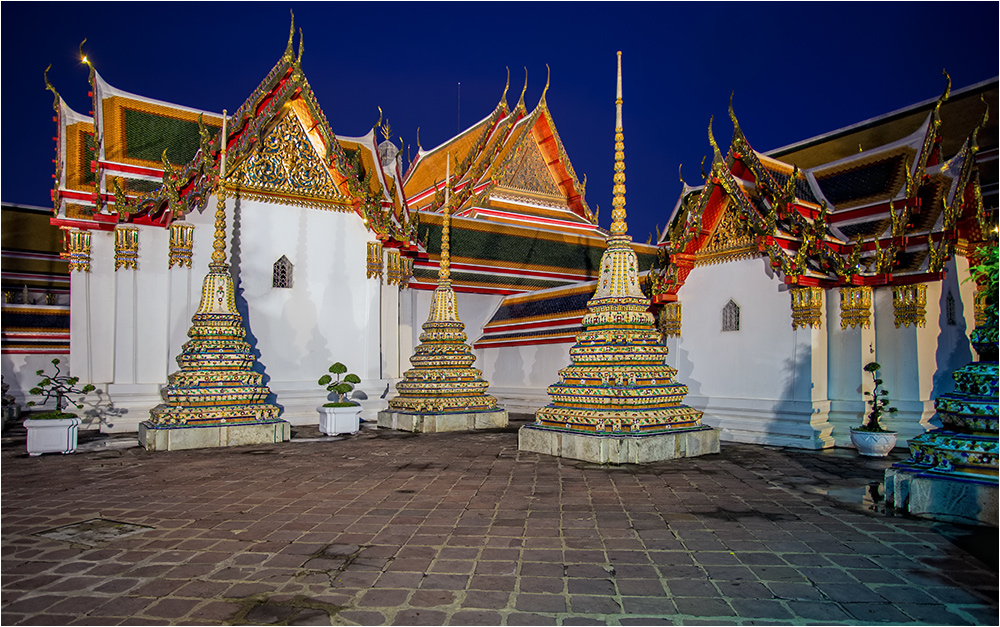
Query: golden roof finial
{"points": [[419, 147], [298, 60], [48, 86], [618, 226], [548, 75], [520, 101], [503, 98], [715, 145], [84, 59], [732, 114], [291, 35], [379, 123]]}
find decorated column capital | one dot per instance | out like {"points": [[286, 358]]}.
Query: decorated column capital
{"points": [[855, 307], [909, 304], [76, 243], [181, 243], [126, 246], [807, 307]]}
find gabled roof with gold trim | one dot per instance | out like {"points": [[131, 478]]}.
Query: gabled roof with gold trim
{"points": [[280, 148], [889, 214], [509, 167]]}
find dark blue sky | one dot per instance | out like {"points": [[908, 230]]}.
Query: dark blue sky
{"points": [[797, 70]]}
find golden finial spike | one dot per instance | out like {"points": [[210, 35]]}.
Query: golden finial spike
{"points": [[298, 60], [291, 36], [83, 56], [520, 101], [379, 123], [618, 226], [732, 114], [711, 140], [48, 86], [679, 175], [548, 76], [419, 147], [503, 98]]}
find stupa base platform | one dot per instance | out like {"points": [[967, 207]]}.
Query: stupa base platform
{"points": [[154, 437], [926, 494], [436, 423], [619, 448]]}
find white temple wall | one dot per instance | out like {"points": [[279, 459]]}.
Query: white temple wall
{"points": [[330, 313], [754, 384]]}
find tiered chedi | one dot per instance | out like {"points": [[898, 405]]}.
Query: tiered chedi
{"points": [[618, 383], [216, 386], [442, 380]]}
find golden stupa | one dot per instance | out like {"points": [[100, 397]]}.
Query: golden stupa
{"points": [[216, 399], [618, 402], [443, 392]]}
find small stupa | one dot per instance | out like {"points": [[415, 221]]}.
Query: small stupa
{"points": [[216, 399], [443, 392], [618, 402]]}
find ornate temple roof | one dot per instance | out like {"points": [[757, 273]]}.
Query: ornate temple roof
{"points": [[890, 213], [131, 158]]}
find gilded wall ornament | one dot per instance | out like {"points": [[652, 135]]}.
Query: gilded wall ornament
{"points": [[374, 266], [181, 244], [807, 307], [670, 319], [732, 240], [285, 167], [393, 267], [909, 305], [855, 307], [126, 246], [77, 253]]}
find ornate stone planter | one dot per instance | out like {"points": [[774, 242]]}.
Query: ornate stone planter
{"points": [[52, 436], [338, 420], [873, 443]]}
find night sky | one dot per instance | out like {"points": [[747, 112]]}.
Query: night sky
{"points": [[797, 69]]}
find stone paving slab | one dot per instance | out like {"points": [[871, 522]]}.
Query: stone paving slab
{"points": [[393, 528]]}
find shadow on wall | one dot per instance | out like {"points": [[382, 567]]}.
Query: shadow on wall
{"points": [[793, 409], [243, 308]]}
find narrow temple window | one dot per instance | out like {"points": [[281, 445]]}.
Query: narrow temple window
{"points": [[282, 273], [731, 317], [949, 309]]}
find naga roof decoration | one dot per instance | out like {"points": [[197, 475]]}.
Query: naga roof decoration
{"points": [[138, 141], [888, 215], [512, 167]]}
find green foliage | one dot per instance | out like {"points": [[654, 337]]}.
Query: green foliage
{"points": [[877, 401], [341, 386], [60, 387]]}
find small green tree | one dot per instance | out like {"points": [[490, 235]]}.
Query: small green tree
{"points": [[877, 401], [60, 387], [340, 386]]}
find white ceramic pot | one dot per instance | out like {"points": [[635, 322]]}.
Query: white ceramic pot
{"points": [[873, 443], [52, 436], [337, 420]]}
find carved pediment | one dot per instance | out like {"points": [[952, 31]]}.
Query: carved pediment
{"points": [[286, 168], [526, 170]]}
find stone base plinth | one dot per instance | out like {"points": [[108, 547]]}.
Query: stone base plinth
{"points": [[618, 448], [435, 423], [938, 497], [155, 437]]}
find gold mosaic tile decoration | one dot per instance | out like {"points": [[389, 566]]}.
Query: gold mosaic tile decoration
{"points": [[619, 382]]}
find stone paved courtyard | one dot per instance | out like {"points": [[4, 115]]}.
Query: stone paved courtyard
{"points": [[396, 528]]}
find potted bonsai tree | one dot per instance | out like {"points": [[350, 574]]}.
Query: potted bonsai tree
{"points": [[340, 415], [870, 438], [55, 431]]}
